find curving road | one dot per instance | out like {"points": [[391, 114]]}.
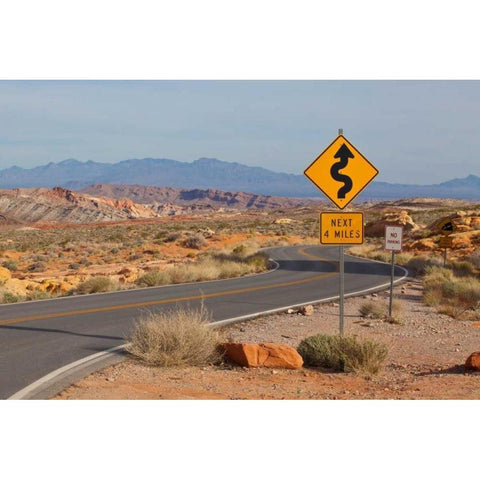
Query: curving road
{"points": [[39, 337]]}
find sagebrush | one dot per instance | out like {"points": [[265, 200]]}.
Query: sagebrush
{"points": [[342, 353]]}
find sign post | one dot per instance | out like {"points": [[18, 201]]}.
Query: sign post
{"points": [[445, 242], [341, 172], [446, 227], [393, 242]]}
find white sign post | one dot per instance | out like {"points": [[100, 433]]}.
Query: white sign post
{"points": [[393, 243]]}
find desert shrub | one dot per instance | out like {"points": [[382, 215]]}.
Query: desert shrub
{"points": [[74, 266], [85, 261], [403, 258], [96, 285], [135, 256], [37, 267], [372, 309], [345, 354], [175, 338], [196, 241], [154, 278], [418, 265], [258, 261], [37, 295], [474, 259], [382, 257], [160, 235], [171, 237], [9, 297], [462, 269], [379, 309], [450, 294], [209, 267], [10, 264], [240, 250]]}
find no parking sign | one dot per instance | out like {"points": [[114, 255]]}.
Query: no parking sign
{"points": [[393, 238]]}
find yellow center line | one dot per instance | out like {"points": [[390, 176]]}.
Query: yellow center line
{"points": [[179, 299]]}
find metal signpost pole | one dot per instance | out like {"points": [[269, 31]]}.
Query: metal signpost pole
{"points": [[391, 284], [342, 271]]}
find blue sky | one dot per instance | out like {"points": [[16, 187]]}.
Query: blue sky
{"points": [[417, 132]]}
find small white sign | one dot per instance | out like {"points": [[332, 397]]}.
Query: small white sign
{"points": [[393, 238]]}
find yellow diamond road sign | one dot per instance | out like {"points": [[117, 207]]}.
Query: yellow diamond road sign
{"points": [[341, 172]]}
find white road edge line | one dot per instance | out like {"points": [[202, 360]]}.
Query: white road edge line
{"points": [[52, 376]]}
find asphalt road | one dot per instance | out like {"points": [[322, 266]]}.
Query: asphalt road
{"points": [[39, 337]]}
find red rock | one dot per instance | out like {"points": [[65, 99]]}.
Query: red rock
{"points": [[263, 355], [473, 361]]}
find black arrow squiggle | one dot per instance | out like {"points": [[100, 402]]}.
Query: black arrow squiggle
{"points": [[344, 154]]}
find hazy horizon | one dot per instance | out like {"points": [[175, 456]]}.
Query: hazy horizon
{"points": [[414, 132], [112, 163]]}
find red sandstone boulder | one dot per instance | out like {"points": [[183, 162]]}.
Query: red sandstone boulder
{"points": [[473, 361], [276, 355]]}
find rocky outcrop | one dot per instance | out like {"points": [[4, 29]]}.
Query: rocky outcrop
{"points": [[263, 355], [376, 228], [473, 361], [212, 199], [63, 205]]}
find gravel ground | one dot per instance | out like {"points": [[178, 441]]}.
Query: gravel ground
{"points": [[426, 356]]}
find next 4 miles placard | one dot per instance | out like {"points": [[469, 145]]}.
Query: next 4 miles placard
{"points": [[338, 228]]}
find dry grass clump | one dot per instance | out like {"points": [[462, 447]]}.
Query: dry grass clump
{"points": [[177, 337], [153, 278], [344, 354], [372, 309], [451, 295], [462, 269], [9, 297], [209, 267], [377, 309], [196, 241], [97, 285], [475, 259], [377, 252], [419, 265], [10, 264]]}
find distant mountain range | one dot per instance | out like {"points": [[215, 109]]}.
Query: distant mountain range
{"points": [[210, 173]]}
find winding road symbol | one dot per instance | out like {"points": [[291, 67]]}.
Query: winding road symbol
{"points": [[343, 154]]}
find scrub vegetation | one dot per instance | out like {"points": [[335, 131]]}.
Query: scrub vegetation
{"points": [[453, 295], [179, 337], [343, 354]]}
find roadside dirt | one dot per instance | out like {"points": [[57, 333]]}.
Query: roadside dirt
{"points": [[426, 357]]}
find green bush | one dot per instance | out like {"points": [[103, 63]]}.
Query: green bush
{"points": [[344, 354]]}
